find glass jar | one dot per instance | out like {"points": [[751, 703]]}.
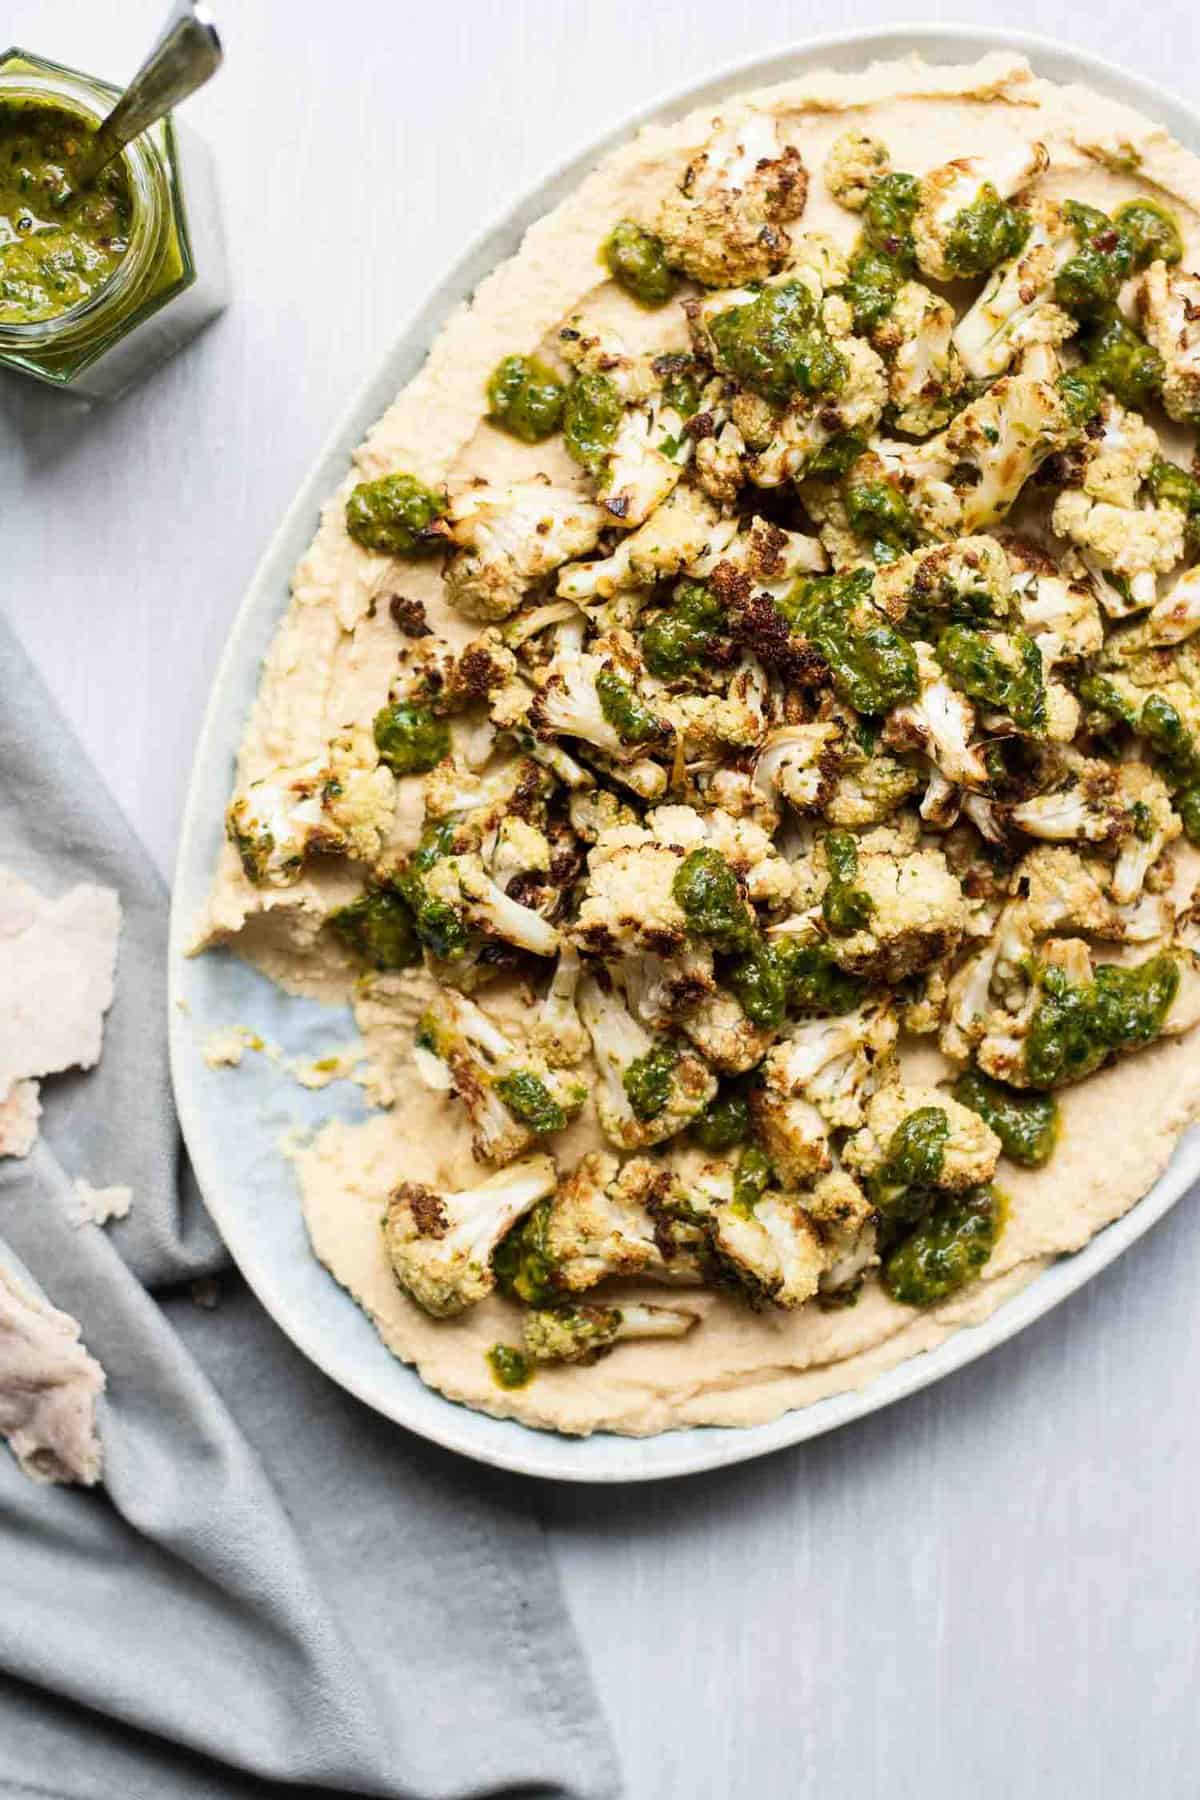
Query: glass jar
{"points": [[170, 282]]}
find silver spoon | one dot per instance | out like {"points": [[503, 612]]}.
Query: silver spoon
{"points": [[186, 53]]}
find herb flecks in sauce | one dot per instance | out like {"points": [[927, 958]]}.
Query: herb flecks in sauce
{"points": [[58, 245]]}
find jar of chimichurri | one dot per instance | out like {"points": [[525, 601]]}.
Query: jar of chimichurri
{"points": [[98, 285]]}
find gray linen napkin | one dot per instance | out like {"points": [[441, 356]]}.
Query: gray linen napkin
{"points": [[274, 1589]]}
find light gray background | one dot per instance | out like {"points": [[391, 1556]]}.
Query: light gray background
{"points": [[993, 1589]]}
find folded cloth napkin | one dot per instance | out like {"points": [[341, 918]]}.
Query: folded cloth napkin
{"points": [[273, 1589]]}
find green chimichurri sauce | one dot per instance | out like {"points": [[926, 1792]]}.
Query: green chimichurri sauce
{"points": [[57, 246], [946, 1250], [1025, 1123], [510, 1368]]}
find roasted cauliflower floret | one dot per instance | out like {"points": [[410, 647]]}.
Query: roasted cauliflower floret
{"points": [[1118, 454], [1077, 1016], [511, 1095], [585, 1332], [1176, 615], [724, 1036], [1127, 547], [719, 461], [924, 372], [1155, 826], [967, 1150], [1088, 806], [855, 160], [767, 877], [463, 884], [650, 1086], [764, 1245], [680, 533], [440, 1245], [1017, 305], [961, 226], [1168, 304], [361, 796], [713, 725], [1056, 608], [801, 763], [592, 694], [1156, 690], [969, 476], [845, 1219], [916, 915], [724, 224], [782, 444], [1006, 435], [869, 792], [793, 1133], [276, 823], [967, 579], [622, 422], [629, 902], [605, 1220], [834, 1064], [507, 539], [940, 722]]}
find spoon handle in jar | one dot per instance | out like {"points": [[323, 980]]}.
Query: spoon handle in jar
{"points": [[187, 52]]}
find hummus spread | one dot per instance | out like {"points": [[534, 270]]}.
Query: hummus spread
{"points": [[330, 669]]}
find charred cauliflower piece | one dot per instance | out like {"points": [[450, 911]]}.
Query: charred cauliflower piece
{"points": [[1168, 304], [1155, 826], [834, 1065], [1118, 454], [650, 1086], [629, 902], [766, 876], [1006, 435], [969, 477], [1125, 548], [605, 1220], [781, 444], [681, 532], [1017, 305], [916, 342], [440, 1245], [1056, 608], [585, 1332], [1079, 1016], [940, 722], [557, 1032], [508, 539], [962, 226], [276, 823], [968, 579], [855, 161], [622, 422], [511, 1095], [1087, 807], [966, 1153], [761, 1241], [593, 694], [915, 910], [724, 224]]}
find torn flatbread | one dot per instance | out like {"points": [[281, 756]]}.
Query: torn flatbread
{"points": [[57, 962], [49, 1386], [20, 1111]]}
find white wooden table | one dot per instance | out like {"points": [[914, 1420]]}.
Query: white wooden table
{"points": [[991, 1592]]}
